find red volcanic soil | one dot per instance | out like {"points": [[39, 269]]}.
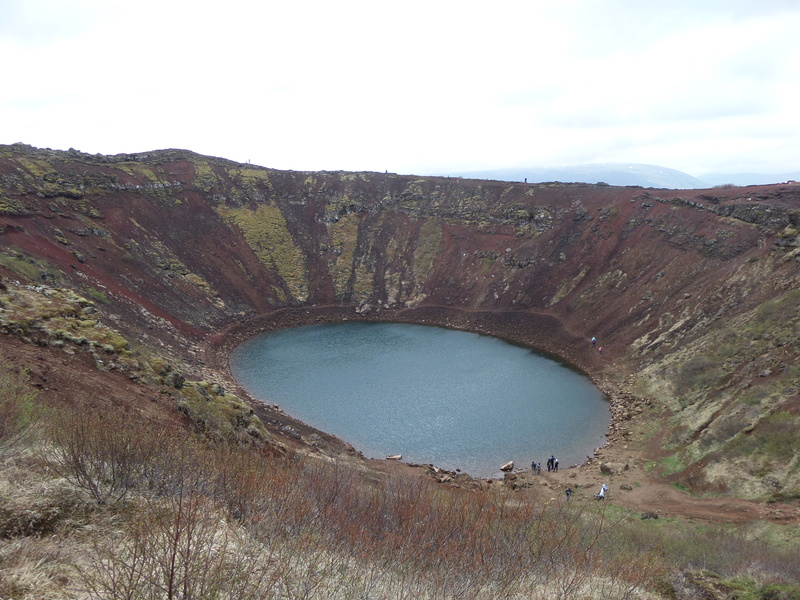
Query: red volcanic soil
{"points": [[547, 266], [63, 379]]}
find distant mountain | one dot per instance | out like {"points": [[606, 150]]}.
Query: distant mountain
{"points": [[749, 178], [628, 174], [612, 174]]}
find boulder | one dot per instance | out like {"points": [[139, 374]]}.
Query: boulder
{"points": [[364, 309], [175, 380], [291, 432], [509, 466]]}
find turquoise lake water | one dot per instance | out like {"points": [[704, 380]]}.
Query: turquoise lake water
{"points": [[455, 399]]}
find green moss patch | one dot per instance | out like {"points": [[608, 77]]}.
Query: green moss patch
{"points": [[267, 234], [344, 239], [219, 414], [11, 206]]}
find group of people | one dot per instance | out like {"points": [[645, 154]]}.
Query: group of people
{"points": [[601, 495], [594, 343], [552, 465]]}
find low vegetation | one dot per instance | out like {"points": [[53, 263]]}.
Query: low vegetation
{"points": [[733, 393], [150, 479], [63, 319], [113, 505], [18, 413]]}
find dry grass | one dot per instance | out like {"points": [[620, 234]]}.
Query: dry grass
{"points": [[113, 507], [18, 414]]}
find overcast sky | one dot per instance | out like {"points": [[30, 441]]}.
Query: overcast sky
{"points": [[418, 87]]}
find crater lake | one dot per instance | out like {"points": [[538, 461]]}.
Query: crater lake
{"points": [[451, 398]]}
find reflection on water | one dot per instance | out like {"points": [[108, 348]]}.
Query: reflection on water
{"points": [[451, 398]]}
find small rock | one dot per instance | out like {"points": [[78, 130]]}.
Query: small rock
{"points": [[649, 515], [291, 432], [627, 487]]}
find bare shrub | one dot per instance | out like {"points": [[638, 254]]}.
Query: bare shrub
{"points": [[106, 454], [178, 548], [297, 509], [224, 521], [241, 483], [182, 461], [18, 414]]}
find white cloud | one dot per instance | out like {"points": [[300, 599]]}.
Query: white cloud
{"points": [[410, 87]]}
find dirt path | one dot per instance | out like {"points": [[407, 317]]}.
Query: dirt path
{"points": [[636, 490]]}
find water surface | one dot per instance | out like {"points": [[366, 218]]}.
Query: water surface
{"points": [[451, 398]]}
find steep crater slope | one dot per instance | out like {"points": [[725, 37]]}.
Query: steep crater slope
{"points": [[692, 294]]}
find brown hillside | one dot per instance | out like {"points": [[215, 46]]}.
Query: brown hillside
{"points": [[693, 294]]}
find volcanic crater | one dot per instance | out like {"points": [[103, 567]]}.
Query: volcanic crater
{"points": [[693, 295]]}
